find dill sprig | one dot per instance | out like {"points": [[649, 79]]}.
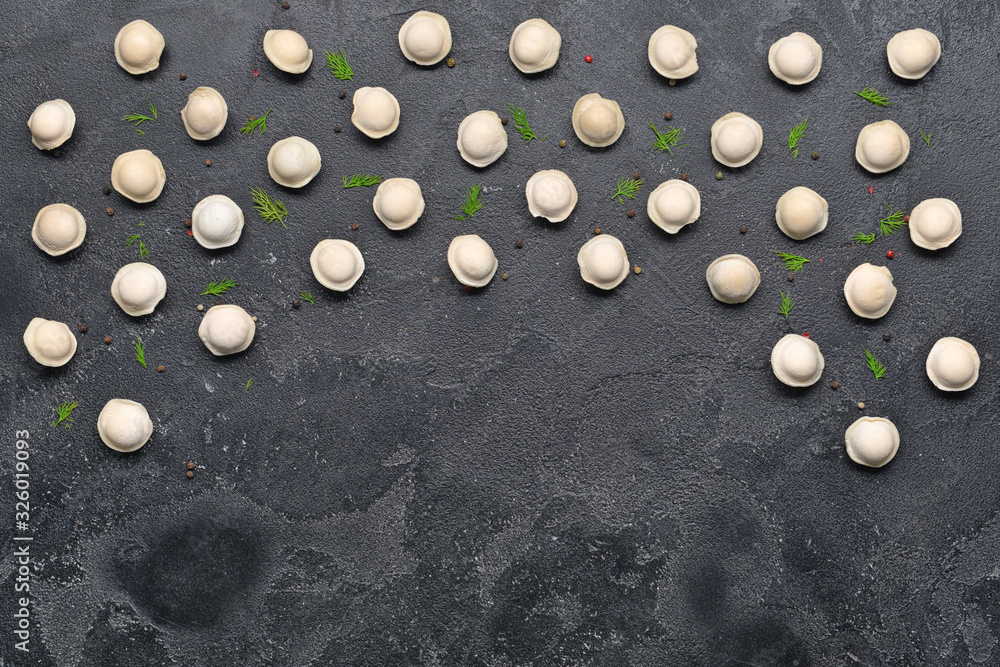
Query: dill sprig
{"points": [[247, 387], [138, 119], [797, 133], [472, 203], [337, 62], [258, 124], [892, 223], [627, 188], [874, 365], [793, 263], [140, 351], [307, 296], [873, 96], [63, 413], [143, 250], [786, 304], [926, 137], [666, 141], [219, 288], [361, 180], [272, 210], [863, 239], [521, 123]]}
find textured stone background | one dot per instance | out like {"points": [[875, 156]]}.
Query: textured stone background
{"points": [[533, 473]]}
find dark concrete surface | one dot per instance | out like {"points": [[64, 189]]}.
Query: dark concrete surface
{"points": [[532, 473]]}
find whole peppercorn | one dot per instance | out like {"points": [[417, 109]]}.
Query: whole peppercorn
{"points": [[109, 211], [718, 175], [638, 269], [182, 76], [107, 340], [518, 243], [296, 303], [682, 176], [597, 230], [834, 385], [354, 225], [672, 82], [342, 94], [861, 405], [161, 368], [106, 190], [188, 222], [890, 254], [815, 155], [190, 465], [668, 116], [637, 176], [218, 303], [337, 128], [201, 307], [504, 276], [450, 62], [285, 5], [208, 163], [254, 318], [887, 336], [631, 213], [504, 121], [56, 153], [562, 143], [743, 229], [588, 58], [791, 277], [82, 327], [190, 474]]}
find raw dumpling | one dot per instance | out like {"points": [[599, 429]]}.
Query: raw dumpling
{"points": [[671, 52], [534, 46], [736, 139]]}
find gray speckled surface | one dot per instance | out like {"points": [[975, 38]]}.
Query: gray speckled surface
{"points": [[532, 473]]}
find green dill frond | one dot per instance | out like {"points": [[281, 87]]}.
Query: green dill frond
{"points": [[893, 222], [307, 296], [247, 387], [797, 133], [667, 141], [472, 203], [255, 124], [786, 304], [926, 137], [873, 96], [63, 413], [219, 288], [863, 239], [874, 365], [138, 119], [337, 62], [361, 180], [627, 188], [272, 210], [140, 351], [130, 241], [793, 263], [521, 123]]}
